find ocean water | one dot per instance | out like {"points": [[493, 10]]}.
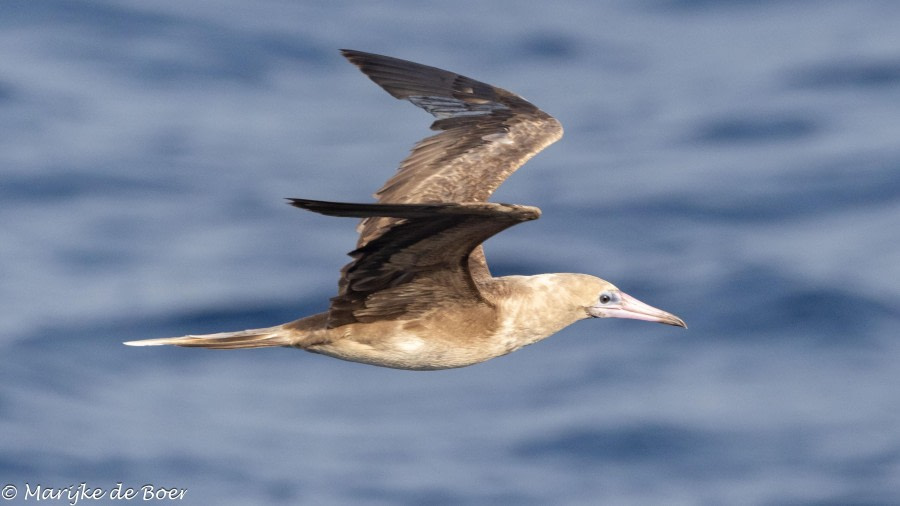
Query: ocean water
{"points": [[735, 162]]}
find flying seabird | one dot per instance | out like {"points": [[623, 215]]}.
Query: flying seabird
{"points": [[418, 293]]}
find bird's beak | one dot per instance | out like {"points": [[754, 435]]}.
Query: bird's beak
{"points": [[629, 307]]}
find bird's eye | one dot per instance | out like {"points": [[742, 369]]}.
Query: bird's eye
{"points": [[605, 298]]}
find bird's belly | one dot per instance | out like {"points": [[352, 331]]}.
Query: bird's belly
{"points": [[409, 351]]}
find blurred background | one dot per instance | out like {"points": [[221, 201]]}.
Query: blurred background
{"points": [[736, 163]]}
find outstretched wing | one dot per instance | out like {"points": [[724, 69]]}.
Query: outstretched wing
{"points": [[419, 263], [486, 134]]}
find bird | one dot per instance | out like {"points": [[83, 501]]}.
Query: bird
{"points": [[418, 293]]}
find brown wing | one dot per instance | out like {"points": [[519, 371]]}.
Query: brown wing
{"points": [[486, 134], [419, 263]]}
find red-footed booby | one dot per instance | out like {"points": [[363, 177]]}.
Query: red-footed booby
{"points": [[418, 293]]}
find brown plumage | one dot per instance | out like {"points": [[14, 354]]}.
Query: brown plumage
{"points": [[486, 133], [417, 263], [418, 293]]}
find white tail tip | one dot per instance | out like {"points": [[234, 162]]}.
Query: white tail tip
{"points": [[146, 342]]}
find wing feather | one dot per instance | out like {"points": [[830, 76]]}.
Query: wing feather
{"points": [[486, 133], [420, 262]]}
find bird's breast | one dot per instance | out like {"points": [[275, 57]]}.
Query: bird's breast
{"points": [[411, 350]]}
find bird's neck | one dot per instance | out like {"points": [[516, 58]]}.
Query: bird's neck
{"points": [[532, 308]]}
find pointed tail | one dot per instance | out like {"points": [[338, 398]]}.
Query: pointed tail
{"points": [[253, 338]]}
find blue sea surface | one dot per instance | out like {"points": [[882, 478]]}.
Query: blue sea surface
{"points": [[736, 163]]}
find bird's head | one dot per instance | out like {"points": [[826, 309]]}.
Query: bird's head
{"points": [[610, 302]]}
